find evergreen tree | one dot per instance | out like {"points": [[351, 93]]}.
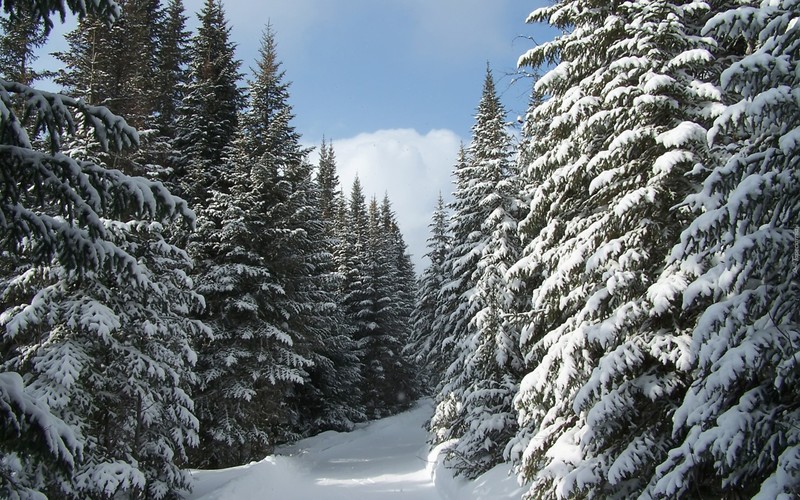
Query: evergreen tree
{"points": [[328, 399], [425, 347], [377, 292], [157, 151], [93, 72], [20, 36], [109, 353], [172, 60], [736, 269], [93, 68], [208, 116], [351, 260], [482, 380], [87, 63], [400, 289], [378, 313], [375, 314], [328, 181], [281, 365], [609, 149], [243, 254], [449, 297], [95, 307]]}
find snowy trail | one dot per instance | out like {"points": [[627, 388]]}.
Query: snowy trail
{"points": [[387, 458]]}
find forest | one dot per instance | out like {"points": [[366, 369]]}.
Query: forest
{"points": [[611, 301]]}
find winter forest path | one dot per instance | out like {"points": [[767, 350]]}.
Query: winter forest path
{"points": [[382, 459], [386, 458]]}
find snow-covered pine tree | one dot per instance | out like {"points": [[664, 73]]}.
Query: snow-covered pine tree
{"points": [[353, 228], [624, 121], [134, 90], [482, 380], [400, 290], [157, 152], [425, 347], [447, 324], [20, 36], [353, 262], [251, 261], [36, 447], [737, 270], [95, 314], [172, 60], [328, 397], [86, 63], [377, 290], [93, 68], [109, 352], [328, 180], [207, 119], [376, 343], [445, 321], [236, 367]]}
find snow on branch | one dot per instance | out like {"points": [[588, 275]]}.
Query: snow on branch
{"points": [[54, 114], [107, 10]]}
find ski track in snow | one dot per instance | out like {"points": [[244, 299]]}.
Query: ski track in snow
{"points": [[386, 458]]}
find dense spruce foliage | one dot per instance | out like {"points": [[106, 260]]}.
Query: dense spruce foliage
{"points": [[143, 332], [643, 298], [474, 404]]}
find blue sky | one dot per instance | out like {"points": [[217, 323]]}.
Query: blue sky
{"points": [[366, 65], [394, 83]]}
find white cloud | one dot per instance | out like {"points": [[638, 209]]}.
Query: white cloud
{"points": [[411, 167]]}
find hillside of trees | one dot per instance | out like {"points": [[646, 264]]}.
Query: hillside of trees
{"points": [[611, 301]]}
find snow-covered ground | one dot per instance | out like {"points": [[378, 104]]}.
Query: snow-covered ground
{"points": [[387, 458]]}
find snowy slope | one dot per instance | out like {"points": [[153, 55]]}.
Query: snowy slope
{"points": [[387, 458]]}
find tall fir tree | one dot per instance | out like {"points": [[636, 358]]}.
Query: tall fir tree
{"points": [[93, 68], [328, 398], [377, 292], [449, 297], [172, 60], [401, 289], [95, 314], [281, 366], [243, 256], [352, 232], [736, 270], [157, 151], [328, 180], [331, 397], [208, 115], [93, 72], [609, 149], [475, 405], [21, 35], [87, 63], [425, 347]]}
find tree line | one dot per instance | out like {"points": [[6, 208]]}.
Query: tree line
{"points": [[179, 286], [612, 305]]}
